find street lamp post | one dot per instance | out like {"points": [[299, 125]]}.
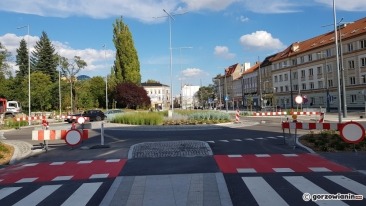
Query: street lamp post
{"points": [[29, 93], [106, 78], [337, 59]]}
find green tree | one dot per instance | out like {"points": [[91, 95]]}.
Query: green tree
{"points": [[126, 67], [40, 91], [69, 70], [97, 91], [205, 93], [44, 58], [5, 73], [22, 60]]}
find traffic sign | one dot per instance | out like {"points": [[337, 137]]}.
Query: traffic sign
{"points": [[226, 98], [352, 132], [298, 99], [73, 137]]}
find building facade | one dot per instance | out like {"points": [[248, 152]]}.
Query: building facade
{"points": [[188, 96], [159, 95]]}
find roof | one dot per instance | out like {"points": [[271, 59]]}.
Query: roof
{"points": [[153, 84], [252, 69], [347, 30], [231, 69]]}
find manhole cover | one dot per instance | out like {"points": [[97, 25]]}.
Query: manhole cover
{"points": [[186, 148]]}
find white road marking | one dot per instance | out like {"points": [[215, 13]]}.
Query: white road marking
{"points": [[38, 196]]}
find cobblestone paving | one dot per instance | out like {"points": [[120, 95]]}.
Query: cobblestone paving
{"points": [[170, 149]]}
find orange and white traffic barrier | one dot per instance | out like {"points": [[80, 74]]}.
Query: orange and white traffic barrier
{"points": [[237, 116], [306, 113], [18, 119], [321, 119], [43, 135], [270, 113], [310, 125]]}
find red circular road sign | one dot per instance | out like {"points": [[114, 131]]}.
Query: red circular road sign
{"points": [[73, 137], [352, 132], [81, 120]]}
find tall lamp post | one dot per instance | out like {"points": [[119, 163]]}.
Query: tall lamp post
{"points": [[337, 59], [29, 93], [106, 78]]}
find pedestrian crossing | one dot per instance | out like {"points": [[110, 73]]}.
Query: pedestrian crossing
{"points": [[282, 190], [66, 194], [248, 139]]}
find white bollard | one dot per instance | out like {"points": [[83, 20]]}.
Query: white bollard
{"points": [[102, 134]]}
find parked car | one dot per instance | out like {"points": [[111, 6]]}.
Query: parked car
{"points": [[93, 115], [112, 113]]}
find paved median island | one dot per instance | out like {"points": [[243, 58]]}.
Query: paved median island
{"points": [[185, 148]]}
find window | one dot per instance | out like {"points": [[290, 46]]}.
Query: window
{"points": [[320, 84], [286, 88], [311, 72], [353, 98], [328, 52], [302, 59], [294, 62], [321, 100], [363, 44], [286, 77], [281, 78], [330, 83], [351, 64], [329, 68], [296, 87], [303, 86], [363, 62], [319, 70], [352, 80], [294, 75], [302, 73], [311, 85], [312, 100], [310, 57], [363, 78], [276, 79], [281, 88], [350, 47]]}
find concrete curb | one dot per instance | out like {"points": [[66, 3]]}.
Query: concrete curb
{"points": [[21, 150]]}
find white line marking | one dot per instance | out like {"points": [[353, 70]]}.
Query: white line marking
{"points": [[262, 192], [85, 162], [61, 178], [4, 192], [57, 163], [235, 156], [113, 160], [223, 140], [263, 155], [238, 140], [319, 169], [357, 188], [251, 139], [95, 176], [272, 137], [24, 180], [290, 155], [246, 170], [259, 138], [213, 142], [306, 186], [38, 196], [30, 165], [283, 170], [83, 194]]}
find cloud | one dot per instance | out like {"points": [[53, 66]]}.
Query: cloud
{"points": [[214, 5], [96, 59], [346, 5], [243, 19], [192, 72], [223, 52], [261, 40]]}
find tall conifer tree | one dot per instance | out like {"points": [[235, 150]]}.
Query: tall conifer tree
{"points": [[44, 58], [126, 67]]}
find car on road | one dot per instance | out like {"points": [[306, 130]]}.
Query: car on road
{"points": [[93, 115], [112, 113]]}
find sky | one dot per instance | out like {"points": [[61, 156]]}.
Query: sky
{"points": [[207, 36]]}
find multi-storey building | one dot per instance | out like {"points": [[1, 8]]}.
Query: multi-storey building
{"points": [[159, 95], [188, 96], [309, 68]]}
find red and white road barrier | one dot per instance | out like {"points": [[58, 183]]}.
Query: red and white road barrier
{"points": [[237, 116], [310, 125], [18, 119], [270, 113], [321, 119], [305, 113], [42, 135]]}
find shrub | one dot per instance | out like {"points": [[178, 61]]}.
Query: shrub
{"points": [[140, 118]]}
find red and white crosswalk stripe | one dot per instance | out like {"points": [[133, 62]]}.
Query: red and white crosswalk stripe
{"points": [[57, 171], [310, 125]]}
